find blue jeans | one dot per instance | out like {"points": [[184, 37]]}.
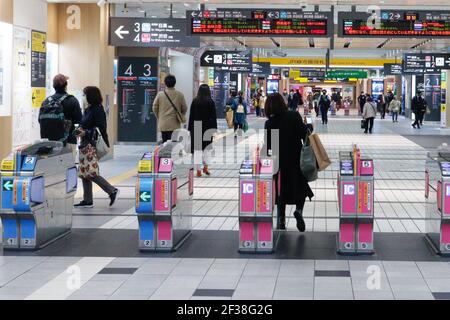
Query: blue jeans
{"points": [[394, 116]]}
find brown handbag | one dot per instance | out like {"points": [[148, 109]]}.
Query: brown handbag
{"points": [[323, 161]]}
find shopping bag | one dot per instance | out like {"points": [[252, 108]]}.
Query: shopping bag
{"points": [[245, 127], [323, 161], [230, 118], [308, 161], [363, 124], [100, 145]]}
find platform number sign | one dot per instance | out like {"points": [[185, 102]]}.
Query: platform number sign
{"points": [[137, 84]]}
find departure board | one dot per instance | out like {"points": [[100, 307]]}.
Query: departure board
{"points": [[267, 22], [395, 23]]}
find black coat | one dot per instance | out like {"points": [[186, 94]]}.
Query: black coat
{"points": [[94, 117], [292, 130], [204, 111]]}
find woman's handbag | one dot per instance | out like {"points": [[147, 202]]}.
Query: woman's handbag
{"points": [[88, 162], [230, 118], [363, 124], [181, 117], [100, 145], [323, 161], [308, 161], [245, 126]]}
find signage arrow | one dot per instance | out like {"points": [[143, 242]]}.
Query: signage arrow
{"points": [[145, 197], [208, 59], [8, 185], [120, 32]]}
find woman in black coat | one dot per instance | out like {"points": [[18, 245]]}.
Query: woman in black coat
{"points": [[203, 113], [292, 130]]}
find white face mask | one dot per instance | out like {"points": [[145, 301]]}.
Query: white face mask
{"points": [[85, 103]]}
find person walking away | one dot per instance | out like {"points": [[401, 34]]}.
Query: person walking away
{"points": [[310, 99], [68, 111], [394, 107], [300, 101], [203, 112], [383, 106], [324, 104], [369, 114], [316, 97], [262, 103], [94, 118], [418, 104], [240, 112], [170, 109], [362, 101], [294, 188]]}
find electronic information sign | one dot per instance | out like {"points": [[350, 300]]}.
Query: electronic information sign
{"points": [[394, 23], [267, 22]]}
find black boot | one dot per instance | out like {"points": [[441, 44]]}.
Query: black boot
{"points": [[281, 219], [298, 214]]}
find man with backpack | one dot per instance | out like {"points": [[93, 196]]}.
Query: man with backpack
{"points": [[59, 114]]}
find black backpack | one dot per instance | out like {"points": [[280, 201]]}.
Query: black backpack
{"points": [[54, 125]]}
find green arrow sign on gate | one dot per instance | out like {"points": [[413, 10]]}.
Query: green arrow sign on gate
{"points": [[8, 185], [145, 196]]}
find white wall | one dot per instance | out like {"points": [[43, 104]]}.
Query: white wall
{"points": [[31, 14], [182, 67]]}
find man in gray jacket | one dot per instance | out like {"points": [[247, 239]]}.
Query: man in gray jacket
{"points": [[170, 109]]}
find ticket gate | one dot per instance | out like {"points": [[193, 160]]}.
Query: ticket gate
{"points": [[437, 195], [164, 198], [39, 183], [256, 205], [356, 203]]}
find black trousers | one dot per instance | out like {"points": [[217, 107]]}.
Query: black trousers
{"points": [[418, 116], [166, 136], [281, 208], [324, 113], [369, 124]]}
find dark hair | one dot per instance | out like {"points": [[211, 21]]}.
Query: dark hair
{"points": [[204, 92], [233, 93], [275, 105], [170, 81], [93, 96], [59, 87]]}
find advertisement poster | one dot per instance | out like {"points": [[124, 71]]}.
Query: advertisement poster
{"points": [[5, 69], [432, 86], [137, 86], [22, 112], [444, 99], [377, 88], [220, 90]]}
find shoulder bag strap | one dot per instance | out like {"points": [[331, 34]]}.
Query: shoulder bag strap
{"points": [[173, 105]]}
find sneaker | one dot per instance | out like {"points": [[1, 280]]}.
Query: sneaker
{"points": [[84, 204], [300, 222], [113, 196]]}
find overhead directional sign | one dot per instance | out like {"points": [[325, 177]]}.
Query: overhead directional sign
{"points": [[394, 23], [414, 63], [261, 68], [343, 74], [264, 22], [234, 61], [393, 69], [146, 32]]}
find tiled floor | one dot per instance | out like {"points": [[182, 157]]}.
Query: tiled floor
{"points": [[61, 278], [399, 207]]}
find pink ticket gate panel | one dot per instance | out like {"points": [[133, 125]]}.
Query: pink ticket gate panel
{"points": [[348, 198], [365, 236], [347, 236], [247, 197], [265, 236], [365, 198], [264, 201], [446, 200], [162, 198], [247, 236], [164, 234]]}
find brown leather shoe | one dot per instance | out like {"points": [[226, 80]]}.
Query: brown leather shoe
{"points": [[199, 173], [206, 171]]}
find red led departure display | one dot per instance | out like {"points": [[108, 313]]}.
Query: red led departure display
{"points": [[395, 24], [259, 23]]}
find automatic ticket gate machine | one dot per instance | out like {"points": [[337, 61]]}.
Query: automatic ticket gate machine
{"points": [[356, 203], [257, 183], [164, 199], [38, 185], [437, 194]]}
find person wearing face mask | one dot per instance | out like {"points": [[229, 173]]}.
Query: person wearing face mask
{"points": [[93, 121], [419, 107], [324, 105], [72, 115]]}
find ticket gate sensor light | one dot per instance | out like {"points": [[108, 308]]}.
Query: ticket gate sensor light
{"points": [[38, 185], [437, 195], [164, 198], [356, 191]]}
